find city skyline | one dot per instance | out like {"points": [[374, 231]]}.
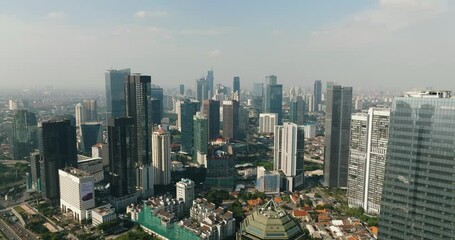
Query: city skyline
{"points": [[366, 44]]}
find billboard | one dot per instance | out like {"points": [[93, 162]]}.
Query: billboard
{"points": [[86, 191]]}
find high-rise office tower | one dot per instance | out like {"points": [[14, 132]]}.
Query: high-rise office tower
{"points": [[35, 171], [368, 147], [115, 92], [182, 89], [161, 157], [155, 111], [89, 112], [211, 108], [25, 138], [156, 93], [337, 131], [267, 122], [220, 171], [78, 114], [188, 109], [258, 96], [243, 123], [288, 153], [137, 89], [91, 134], [317, 95], [273, 97], [236, 85], [309, 102], [201, 89], [297, 110], [201, 133], [122, 175], [230, 119], [57, 150], [209, 81], [418, 197]]}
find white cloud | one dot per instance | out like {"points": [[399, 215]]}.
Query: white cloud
{"points": [[215, 53], [56, 14], [145, 14], [377, 24]]}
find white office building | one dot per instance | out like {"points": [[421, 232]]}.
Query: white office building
{"points": [[367, 156], [185, 191], [288, 153], [310, 131], [77, 193], [161, 156], [267, 122], [103, 214]]}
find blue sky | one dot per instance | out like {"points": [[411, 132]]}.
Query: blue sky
{"points": [[383, 43]]}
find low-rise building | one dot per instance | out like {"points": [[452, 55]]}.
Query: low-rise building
{"points": [[103, 214]]}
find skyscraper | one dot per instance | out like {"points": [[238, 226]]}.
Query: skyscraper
{"points": [[297, 110], [273, 97], [89, 112], [201, 128], [368, 147], [236, 85], [185, 191], [161, 157], [337, 131], [188, 109], [122, 175], [288, 153], [418, 197], [137, 90], [25, 138], [78, 114], [267, 122], [182, 89], [155, 111], [230, 119], [115, 92], [91, 134], [57, 150], [209, 81], [201, 89], [212, 109], [156, 93], [317, 95], [258, 96]]}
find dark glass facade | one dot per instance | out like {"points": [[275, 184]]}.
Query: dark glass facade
{"points": [[58, 150], [212, 109], [317, 95], [25, 138], [337, 135], [115, 96], [236, 85], [188, 109], [91, 134], [230, 119], [418, 199], [121, 152]]}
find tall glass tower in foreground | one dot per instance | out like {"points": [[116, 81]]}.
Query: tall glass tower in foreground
{"points": [[418, 200]]}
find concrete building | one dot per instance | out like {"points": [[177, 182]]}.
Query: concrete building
{"points": [[201, 128], [103, 214], [220, 171], [161, 156], [89, 110], [78, 114], [93, 166], [273, 97], [288, 154], [230, 119], [310, 130], [267, 122], [368, 148], [185, 191], [317, 93], [418, 200], [337, 129], [77, 193], [268, 182]]}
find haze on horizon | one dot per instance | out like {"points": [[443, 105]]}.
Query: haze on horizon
{"points": [[381, 43]]}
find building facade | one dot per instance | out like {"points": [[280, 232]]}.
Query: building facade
{"points": [[418, 199], [185, 191], [317, 93], [267, 122], [115, 92], [288, 151], [25, 134], [230, 119], [368, 148], [337, 131], [161, 156]]}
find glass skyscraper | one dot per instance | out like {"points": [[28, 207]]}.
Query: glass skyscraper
{"points": [[273, 97], [24, 134], [317, 95], [418, 200], [115, 92], [337, 131]]}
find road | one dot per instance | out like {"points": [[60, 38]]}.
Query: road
{"points": [[8, 232], [19, 231]]}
